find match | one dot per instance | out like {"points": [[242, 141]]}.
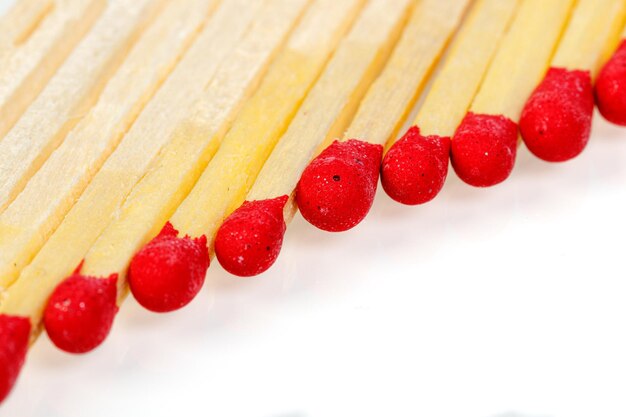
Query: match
{"points": [[337, 189], [166, 273], [250, 239], [415, 167], [484, 147], [78, 329], [556, 121], [610, 86], [38, 35]]}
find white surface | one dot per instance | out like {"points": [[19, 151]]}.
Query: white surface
{"points": [[507, 302]]}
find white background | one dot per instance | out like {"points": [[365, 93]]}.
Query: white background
{"points": [[506, 302]]}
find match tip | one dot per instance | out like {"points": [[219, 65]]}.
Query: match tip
{"points": [[611, 88], [169, 271], [14, 335], [337, 189], [484, 148], [556, 121], [415, 167], [250, 239], [80, 312]]}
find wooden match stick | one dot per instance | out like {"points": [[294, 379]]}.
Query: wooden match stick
{"points": [[23, 303], [171, 177], [484, 147], [556, 121], [71, 92], [337, 189], [249, 241], [164, 186], [43, 35], [610, 86], [167, 273], [36, 212], [415, 168], [19, 22]]}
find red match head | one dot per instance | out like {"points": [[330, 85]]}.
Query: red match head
{"points": [[169, 271], [484, 148], [337, 189], [250, 239], [556, 121], [14, 335], [415, 167], [80, 312], [611, 88]]}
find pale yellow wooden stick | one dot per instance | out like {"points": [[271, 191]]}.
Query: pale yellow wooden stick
{"points": [[393, 94], [234, 80], [456, 84], [484, 148], [556, 122], [591, 35], [44, 37], [40, 207], [21, 20], [324, 115], [405, 174], [523, 57], [71, 92], [230, 174], [139, 147]]}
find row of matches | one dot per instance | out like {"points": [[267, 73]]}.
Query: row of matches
{"points": [[141, 137]]}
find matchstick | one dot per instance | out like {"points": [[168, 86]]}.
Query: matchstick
{"points": [[556, 121], [610, 86], [44, 33], [337, 189], [250, 239], [415, 168], [71, 92], [23, 303], [167, 273], [484, 147], [19, 23], [164, 186], [35, 213]]}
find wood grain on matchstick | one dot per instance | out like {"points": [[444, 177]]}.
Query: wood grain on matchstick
{"points": [[591, 35], [41, 35], [21, 20], [71, 92]]}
